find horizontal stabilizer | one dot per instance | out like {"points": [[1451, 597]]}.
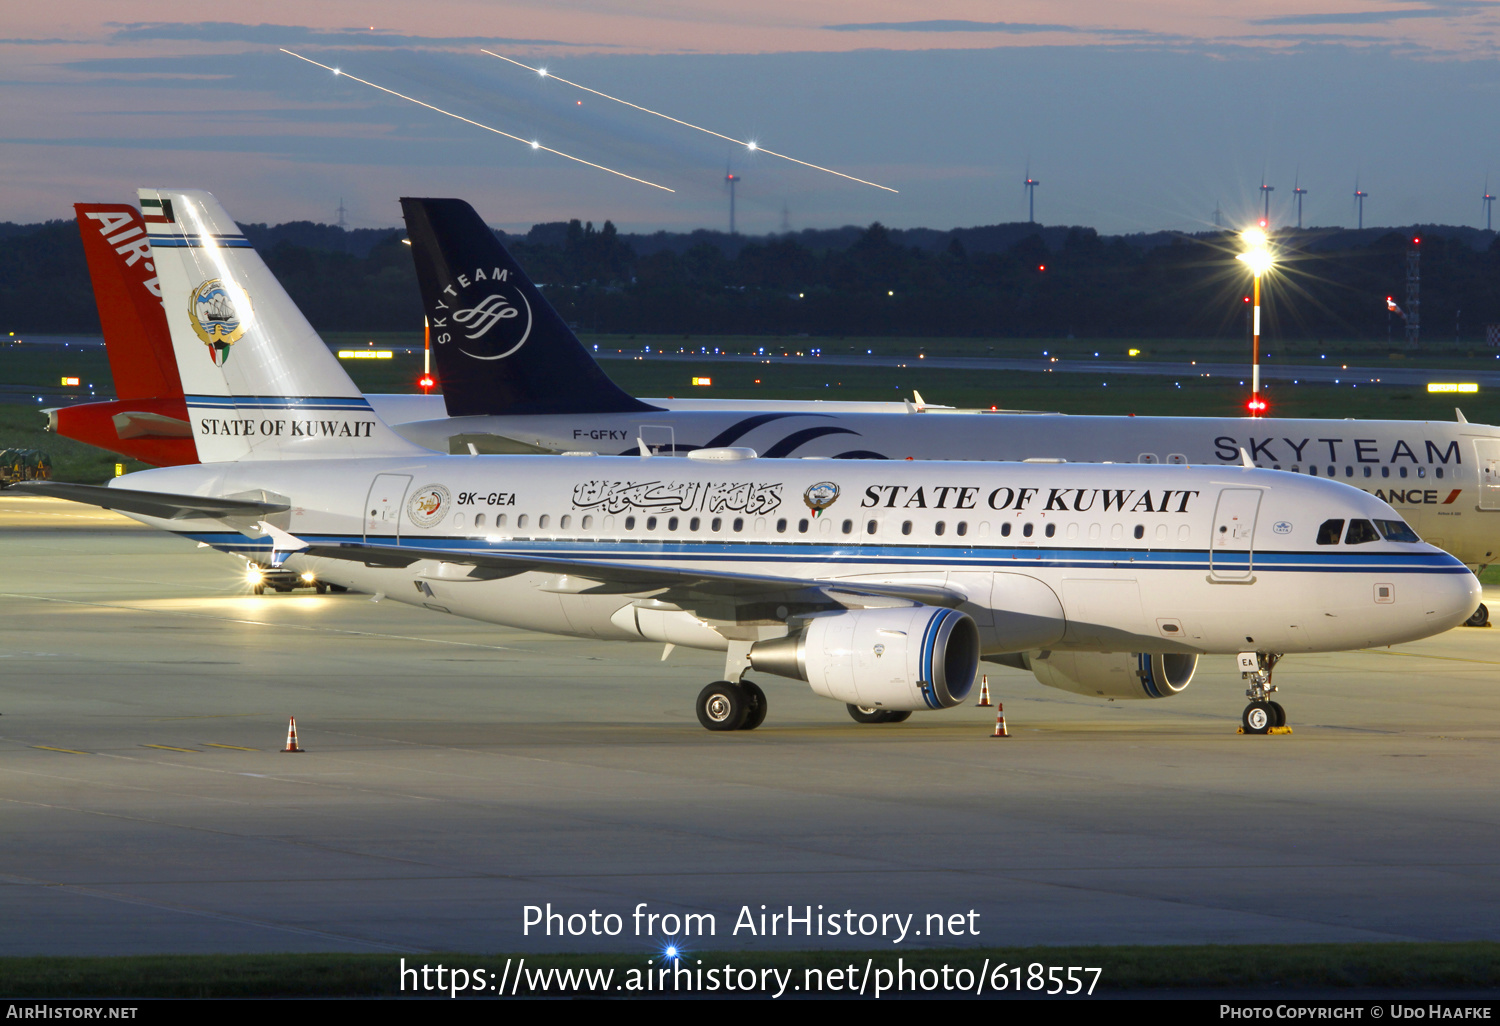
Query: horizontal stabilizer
{"points": [[140, 424], [151, 504]]}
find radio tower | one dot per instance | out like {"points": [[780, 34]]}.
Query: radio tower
{"points": [[1414, 292], [1031, 184], [342, 223], [1359, 198], [732, 179], [1299, 192], [1266, 190]]}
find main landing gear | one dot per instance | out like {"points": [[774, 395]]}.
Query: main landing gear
{"points": [[725, 705], [1262, 715], [869, 714]]}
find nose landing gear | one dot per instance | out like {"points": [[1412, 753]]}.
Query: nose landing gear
{"points": [[1262, 715]]}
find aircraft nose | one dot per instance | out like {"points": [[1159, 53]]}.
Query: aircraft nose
{"points": [[1454, 598]]}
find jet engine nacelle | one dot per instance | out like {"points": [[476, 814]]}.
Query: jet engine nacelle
{"points": [[909, 657], [1114, 674]]}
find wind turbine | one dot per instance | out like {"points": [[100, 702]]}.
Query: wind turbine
{"points": [[1359, 198], [1489, 203], [1266, 190], [732, 180], [1031, 184], [1299, 192]]}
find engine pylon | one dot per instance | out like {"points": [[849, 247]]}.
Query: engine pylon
{"points": [[291, 737], [984, 692], [1000, 728]]}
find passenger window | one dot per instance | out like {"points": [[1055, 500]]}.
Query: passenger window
{"points": [[1026, 530], [1312, 469], [1184, 533], [802, 527], [1421, 471], [939, 528], [671, 523], [1367, 472], [1116, 532], [1333, 471], [521, 520], [499, 519], [1094, 532], [650, 523], [1140, 531], [962, 528], [1360, 532], [543, 520], [872, 527], [1005, 529], [1051, 530], [1402, 471], [1438, 471], [1328, 534], [478, 519], [1348, 471], [1072, 531], [906, 527], [739, 524], [458, 521], [1161, 532], [630, 523], [566, 522], [847, 527], [1296, 469], [694, 524], [781, 526], [716, 524], [1385, 471], [588, 522]]}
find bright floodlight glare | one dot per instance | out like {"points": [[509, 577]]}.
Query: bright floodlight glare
{"points": [[542, 72], [1253, 237], [535, 145], [751, 145], [1258, 260]]}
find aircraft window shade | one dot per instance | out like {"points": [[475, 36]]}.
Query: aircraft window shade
{"points": [[1051, 530], [499, 519], [739, 524], [1094, 532], [650, 523], [630, 523], [1005, 529], [478, 519], [543, 520], [984, 529], [458, 521], [1140, 531], [1161, 532], [1026, 530], [1116, 532], [1368, 472], [1184, 533], [1421, 471], [961, 528], [671, 523], [1401, 471], [1360, 532], [1072, 531], [847, 527], [1385, 471], [521, 520], [1329, 532], [565, 523], [781, 525], [760, 525], [1397, 531], [802, 527], [872, 527], [939, 528], [587, 523], [906, 527]]}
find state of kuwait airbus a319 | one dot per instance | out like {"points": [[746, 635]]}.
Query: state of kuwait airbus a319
{"points": [[881, 584]]}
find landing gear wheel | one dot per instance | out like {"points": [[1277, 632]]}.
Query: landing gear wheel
{"points": [[1280, 716], [1481, 617], [756, 714], [898, 716], [259, 589], [867, 714], [1258, 718], [723, 706], [321, 588]]}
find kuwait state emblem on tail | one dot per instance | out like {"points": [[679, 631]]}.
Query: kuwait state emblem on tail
{"points": [[211, 311]]}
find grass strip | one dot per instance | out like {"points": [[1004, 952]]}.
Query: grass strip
{"points": [[1270, 967]]}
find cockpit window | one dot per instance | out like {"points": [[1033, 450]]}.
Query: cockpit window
{"points": [[1329, 533], [1360, 532], [1397, 531]]}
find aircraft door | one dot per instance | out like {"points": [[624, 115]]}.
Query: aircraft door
{"points": [[1232, 548], [383, 508], [659, 438], [1488, 452]]}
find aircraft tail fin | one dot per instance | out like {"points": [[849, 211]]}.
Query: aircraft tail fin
{"points": [[500, 346], [259, 382]]}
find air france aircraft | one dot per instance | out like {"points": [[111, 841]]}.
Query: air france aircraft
{"points": [[882, 585]]}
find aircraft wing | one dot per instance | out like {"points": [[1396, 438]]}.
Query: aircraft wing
{"points": [[596, 577], [151, 504]]}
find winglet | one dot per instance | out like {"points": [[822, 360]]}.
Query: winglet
{"points": [[1245, 460], [1460, 415], [283, 543]]}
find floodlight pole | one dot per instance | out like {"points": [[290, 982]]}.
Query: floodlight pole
{"points": [[1255, 403]]}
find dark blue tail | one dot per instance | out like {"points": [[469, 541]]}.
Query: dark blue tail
{"points": [[500, 347]]}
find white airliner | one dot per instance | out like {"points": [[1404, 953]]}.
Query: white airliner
{"points": [[516, 379], [880, 584]]}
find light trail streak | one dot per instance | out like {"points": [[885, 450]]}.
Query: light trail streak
{"points": [[532, 143], [750, 145]]}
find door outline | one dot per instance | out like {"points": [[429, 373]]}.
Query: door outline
{"points": [[1231, 545], [1487, 456], [383, 505], [660, 439]]}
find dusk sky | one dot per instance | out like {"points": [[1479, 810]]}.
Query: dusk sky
{"points": [[1134, 116]]}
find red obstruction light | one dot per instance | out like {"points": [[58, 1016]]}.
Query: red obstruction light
{"points": [[1256, 405], [426, 382]]}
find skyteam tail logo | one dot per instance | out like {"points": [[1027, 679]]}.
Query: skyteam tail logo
{"points": [[489, 318], [215, 321], [428, 505], [820, 496]]}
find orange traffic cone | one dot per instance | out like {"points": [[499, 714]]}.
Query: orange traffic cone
{"points": [[1000, 730], [984, 692], [291, 737]]}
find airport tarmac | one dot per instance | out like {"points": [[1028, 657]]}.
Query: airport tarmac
{"points": [[457, 771]]}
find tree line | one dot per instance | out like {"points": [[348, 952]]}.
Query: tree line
{"points": [[998, 281]]}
